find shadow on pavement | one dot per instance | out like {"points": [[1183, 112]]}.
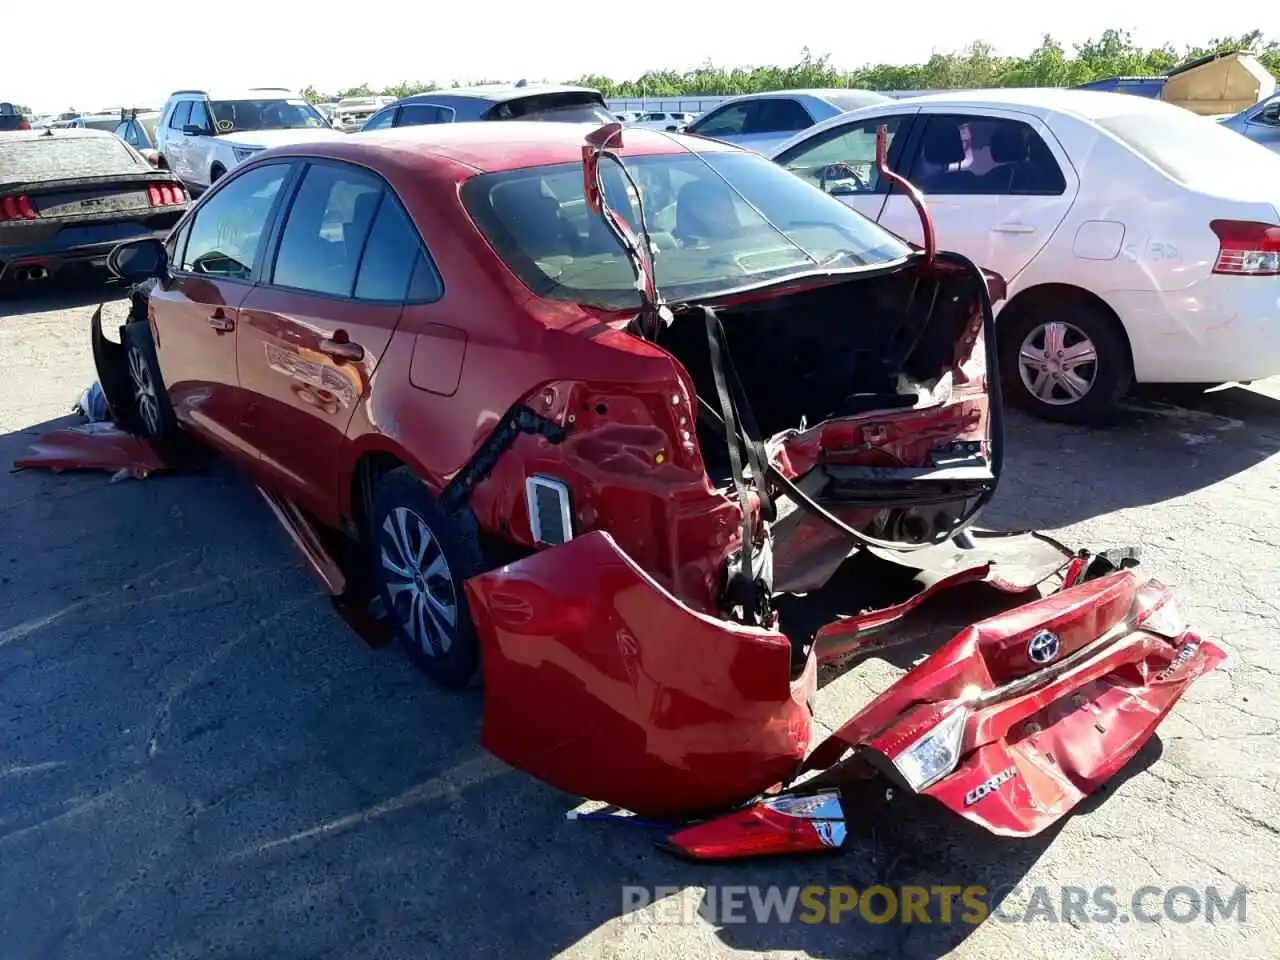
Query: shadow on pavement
{"points": [[1156, 450]]}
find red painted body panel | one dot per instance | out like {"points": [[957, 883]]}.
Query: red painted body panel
{"points": [[300, 400], [198, 362], [93, 446], [640, 700], [1065, 736]]}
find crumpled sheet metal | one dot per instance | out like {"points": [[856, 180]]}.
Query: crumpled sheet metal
{"points": [[94, 446]]}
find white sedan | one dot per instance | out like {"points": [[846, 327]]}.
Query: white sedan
{"points": [[1139, 243]]}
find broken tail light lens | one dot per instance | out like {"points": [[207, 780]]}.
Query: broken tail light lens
{"points": [[781, 825], [166, 195], [935, 754], [1247, 248], [17, 208]]}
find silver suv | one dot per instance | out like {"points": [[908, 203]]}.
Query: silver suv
{"points": [[201, 135]]}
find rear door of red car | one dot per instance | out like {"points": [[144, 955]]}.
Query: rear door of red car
{"points": [[341, 262], [214, 259]]}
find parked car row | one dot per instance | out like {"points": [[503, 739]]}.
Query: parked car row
{"points": [[1136, 238]]}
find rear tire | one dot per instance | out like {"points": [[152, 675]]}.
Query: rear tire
{"points": [[155, 412], [419, 556], [1066, 362]]}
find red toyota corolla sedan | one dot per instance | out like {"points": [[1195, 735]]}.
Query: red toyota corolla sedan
{"points": [[646, 427]]}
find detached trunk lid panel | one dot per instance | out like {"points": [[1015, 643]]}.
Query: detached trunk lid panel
{"points": [[599, 682], [1039, 737]]}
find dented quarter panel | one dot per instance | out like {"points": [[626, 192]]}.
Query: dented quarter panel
{"points": [[642, 702]]}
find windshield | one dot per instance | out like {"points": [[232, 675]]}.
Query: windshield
{"points": [[718, 221], [64, 158], [1194, 150], [236, 116], [571, 107]]}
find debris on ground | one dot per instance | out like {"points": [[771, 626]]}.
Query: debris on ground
{"points": [[97, 445]]}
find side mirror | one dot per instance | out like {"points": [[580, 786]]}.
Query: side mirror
{"points": [[192, 130], [138, 260]]}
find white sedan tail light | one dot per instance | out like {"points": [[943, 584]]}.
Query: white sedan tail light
{"points": [[1247, 248]]}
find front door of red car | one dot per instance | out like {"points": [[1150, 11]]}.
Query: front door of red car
{"points": [[312, 333], [195, 311]]}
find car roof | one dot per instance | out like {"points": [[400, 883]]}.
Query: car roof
{"points": [[491, 147], [1087, 104], [60, 133], [496, 94], [239, 93], [821, 93]]}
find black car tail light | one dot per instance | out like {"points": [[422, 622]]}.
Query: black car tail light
{"points": [[166, 194]]}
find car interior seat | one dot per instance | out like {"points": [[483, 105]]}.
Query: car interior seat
{"points": [[1009, 150], [705, 211], [942, 148]]}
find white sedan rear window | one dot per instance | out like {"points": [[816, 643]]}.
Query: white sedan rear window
{"points": [[1192, 149]]}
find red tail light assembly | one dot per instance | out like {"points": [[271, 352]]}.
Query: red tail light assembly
{"points": [[17, 208], [166, 195], [1247, 248]]}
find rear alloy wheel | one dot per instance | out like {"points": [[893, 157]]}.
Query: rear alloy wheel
{"points": [[420, 557], [1066, 363]]}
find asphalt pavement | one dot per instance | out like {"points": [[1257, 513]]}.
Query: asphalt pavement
{"points": [[198, 758]]}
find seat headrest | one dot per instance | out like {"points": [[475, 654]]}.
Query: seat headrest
{"points": [[942, 144], [705, 209], [1008, 144]]}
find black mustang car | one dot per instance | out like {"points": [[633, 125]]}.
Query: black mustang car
{"points": [[67, 197]]}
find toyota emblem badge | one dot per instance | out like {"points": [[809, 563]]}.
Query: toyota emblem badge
{"points": [[1043, 647]]}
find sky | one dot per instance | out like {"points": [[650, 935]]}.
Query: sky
{"points": [[101, 55]]}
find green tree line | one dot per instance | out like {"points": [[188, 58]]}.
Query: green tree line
{"points": [[1049, 65]]}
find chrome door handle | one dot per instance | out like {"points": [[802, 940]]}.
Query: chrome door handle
{"points": [[221, 322], [1013, 228]]}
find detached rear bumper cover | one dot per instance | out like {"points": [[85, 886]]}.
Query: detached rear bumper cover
{"points": [[601, 683]]}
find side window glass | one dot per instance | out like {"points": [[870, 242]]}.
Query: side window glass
{"points": [[200, 116], [417, 115], [390, 255], [726, 122], [380, 121], [842, 161], [175, 244], [778, 116], [987, 156], [181, 114], [425, 285], [227, 229], [1270, 115], [326, 229]]}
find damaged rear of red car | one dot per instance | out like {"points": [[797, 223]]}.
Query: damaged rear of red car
{"points": [[826, 431], [723, 429]]}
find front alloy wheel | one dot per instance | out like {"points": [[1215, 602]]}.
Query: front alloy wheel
{"points": [[144, 391]]}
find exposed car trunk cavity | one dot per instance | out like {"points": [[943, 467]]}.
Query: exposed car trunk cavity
{"points": [[844, 349]]}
